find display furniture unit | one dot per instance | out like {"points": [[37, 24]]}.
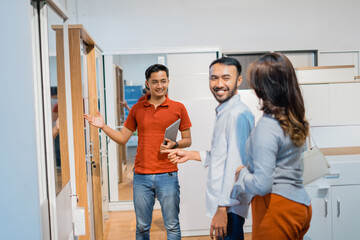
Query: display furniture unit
{"points": [[335, 199], [82, 52]]}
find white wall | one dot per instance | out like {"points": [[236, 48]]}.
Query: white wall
{"points": [[19, 202], [134, 66], [245, 25]]}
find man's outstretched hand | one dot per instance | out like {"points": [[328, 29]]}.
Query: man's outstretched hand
{"points": [[180, 156], [95, 121]]}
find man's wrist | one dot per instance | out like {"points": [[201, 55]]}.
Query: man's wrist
{"points": [[222, 208], [176, 145], [195, 155]]}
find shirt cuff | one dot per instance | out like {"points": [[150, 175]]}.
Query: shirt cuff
{"points": [[203, 155]]}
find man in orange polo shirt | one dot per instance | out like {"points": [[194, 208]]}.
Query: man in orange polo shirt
{"points": [[154, 174]]}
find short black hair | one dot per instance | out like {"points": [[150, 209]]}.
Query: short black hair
{"points": [[156, 68], [146, 89], [228, 61], [53, 91]]}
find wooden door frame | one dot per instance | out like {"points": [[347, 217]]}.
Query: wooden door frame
{"points": [[94, 138], [120, 119], [62, 112], [77, 36]]}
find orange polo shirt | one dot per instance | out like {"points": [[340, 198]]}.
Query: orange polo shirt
{"points": [[151, 124], [143, 97]]}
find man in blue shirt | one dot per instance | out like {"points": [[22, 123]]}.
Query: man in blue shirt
{"points": [[233, 125]]}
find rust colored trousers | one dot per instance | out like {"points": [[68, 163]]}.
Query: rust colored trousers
{"points": [[278, 218]]}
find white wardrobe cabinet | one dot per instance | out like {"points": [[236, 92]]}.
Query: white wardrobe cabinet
{"points": [[316, 99], [335, 202], [332, 103], [320, 227], [344, 101], [345, 212], [325, 74], [189, 75]]}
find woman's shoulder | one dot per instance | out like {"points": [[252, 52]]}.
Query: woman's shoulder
{"points": [[268, 121], [267, 124]]}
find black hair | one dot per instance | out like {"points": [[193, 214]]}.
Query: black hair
{"points": [[156, 68], [53, 91], [228, 61], [146, 89], [274, 81]]}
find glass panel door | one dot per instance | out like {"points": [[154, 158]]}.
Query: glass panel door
{"points": [[88, 144], [51, 111], [54, 71], [102, 135]]}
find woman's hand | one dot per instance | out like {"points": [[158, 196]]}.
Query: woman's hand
{"points": [[237, 172]]}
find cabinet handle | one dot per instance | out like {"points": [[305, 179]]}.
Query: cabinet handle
{"points": [[338, 207], [332, 176], [326, 207]]}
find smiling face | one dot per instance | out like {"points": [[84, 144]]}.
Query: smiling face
{"points": [[224, 81], [158, 84]]}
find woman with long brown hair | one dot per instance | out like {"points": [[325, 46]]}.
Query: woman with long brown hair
{"points": [[272, 177]]}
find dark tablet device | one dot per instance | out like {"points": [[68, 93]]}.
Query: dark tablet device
{"points": [[171, 131]]}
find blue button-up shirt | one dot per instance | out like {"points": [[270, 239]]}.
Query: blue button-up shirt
{"points": [[233, 124]]}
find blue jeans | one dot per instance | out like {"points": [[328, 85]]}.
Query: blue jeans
{"points": [[234, 229], [165, 187]]}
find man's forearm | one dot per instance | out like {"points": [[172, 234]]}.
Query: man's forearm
{"points": [[194, 155], [184, 143], [114, 135]]}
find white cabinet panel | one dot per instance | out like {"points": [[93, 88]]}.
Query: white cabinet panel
{"points": [[335, 201], [193, 86], [336, 136], [339, 58], [332, 103], [346, 212], [189, 75], [344, 103], [249, 98], [344, 170], [192, 180], [193, 175], [301, 59], [316, 98], [189, 63], [324, 75], [320, 226], [335, 213]]}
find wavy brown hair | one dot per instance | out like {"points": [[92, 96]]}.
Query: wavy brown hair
{"points": [[274, 80]]}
